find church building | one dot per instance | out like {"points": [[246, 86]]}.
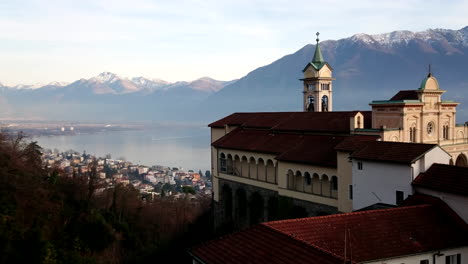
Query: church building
{"points": [[275, 165]]}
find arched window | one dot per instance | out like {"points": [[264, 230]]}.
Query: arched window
{"points": [[308, 182], [229, 164], [316, 184], [261, 170], [236, 168], [299, 182], [290, 177], [358, 122], [445, 131], [334, 186], [310, 103], [412, 133], [252, 168], [325, 103], [461, 161], [307, 178], [326, 185], [222, 163], [270, 172], [244, 167]]}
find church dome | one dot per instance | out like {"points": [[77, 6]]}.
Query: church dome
{"points": [[429, 83]]}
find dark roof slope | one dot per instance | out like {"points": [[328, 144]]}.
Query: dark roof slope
{"points": [[259, 244], [392, 151], [309, 149], [370, 235], [329, 122], [405, 95], [444, 178], [405, 230], [356, 142]]}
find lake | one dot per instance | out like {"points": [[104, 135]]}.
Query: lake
{"points": [[187, 147]]}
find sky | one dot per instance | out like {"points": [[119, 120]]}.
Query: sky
{"points": [[181, 40]]}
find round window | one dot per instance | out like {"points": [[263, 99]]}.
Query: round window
{"points": [[430, 128]]}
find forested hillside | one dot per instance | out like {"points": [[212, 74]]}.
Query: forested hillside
{"points": [[48, 218]]}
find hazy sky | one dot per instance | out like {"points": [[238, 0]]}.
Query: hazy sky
{"points": [[61, 40]]}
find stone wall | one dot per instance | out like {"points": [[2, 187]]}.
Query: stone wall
{"points": [[241, 205]]}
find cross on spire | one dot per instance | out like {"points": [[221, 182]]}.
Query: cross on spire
{"points": [[318, 58], [430, 70]]}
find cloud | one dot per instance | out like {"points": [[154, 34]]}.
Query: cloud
{"points": [[67, 34]]}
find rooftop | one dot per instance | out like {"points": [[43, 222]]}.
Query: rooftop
{"points": [[391, 151], [444, 178], [405, 230], [405, 95], [292, 147], [330, 122]]}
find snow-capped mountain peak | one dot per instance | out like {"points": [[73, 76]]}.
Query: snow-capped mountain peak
{"points": [[454, 37], [105, 77], [59, 84]]}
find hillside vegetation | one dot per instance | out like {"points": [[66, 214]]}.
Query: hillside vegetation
{"points": [[48, 218]]}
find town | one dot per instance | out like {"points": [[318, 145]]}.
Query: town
{"points": [[150, 181]]}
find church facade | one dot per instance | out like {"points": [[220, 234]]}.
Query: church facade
{"points": [[421, 116], [275, 165]]}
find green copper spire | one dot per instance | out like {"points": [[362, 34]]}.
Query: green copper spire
{"points": [[318, 58]]}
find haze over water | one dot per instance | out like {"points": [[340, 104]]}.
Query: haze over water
{"points": [[175, 147]]}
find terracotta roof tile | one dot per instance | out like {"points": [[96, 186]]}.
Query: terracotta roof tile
{"points": [[354, 143], [313, 149], [391, 151], [404, 230], [330, 122], [444, 178], [259, 244], [310, 149]]}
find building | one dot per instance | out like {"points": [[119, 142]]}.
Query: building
{"points": [[422, 116], [425, 231], [448, 183], [268, 165]]}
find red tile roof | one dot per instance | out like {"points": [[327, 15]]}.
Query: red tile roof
{"points": [[370, 235], [405, 95], [259, 244], [310, 149], [355, 142], [330, 122], [391, 151], [444, 178]]}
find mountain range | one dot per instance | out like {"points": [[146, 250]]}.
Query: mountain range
{"points": [[106, 96], [366, 68]]}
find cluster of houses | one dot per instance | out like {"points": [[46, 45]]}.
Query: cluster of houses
{"points": [[110, 172]]}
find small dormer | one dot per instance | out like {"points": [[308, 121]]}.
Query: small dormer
{"points": [[357, 121]]}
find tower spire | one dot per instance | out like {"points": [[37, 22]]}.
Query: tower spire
{"points": [[318, 58]]}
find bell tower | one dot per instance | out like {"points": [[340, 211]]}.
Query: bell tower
{"points": [[318, 87]]}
